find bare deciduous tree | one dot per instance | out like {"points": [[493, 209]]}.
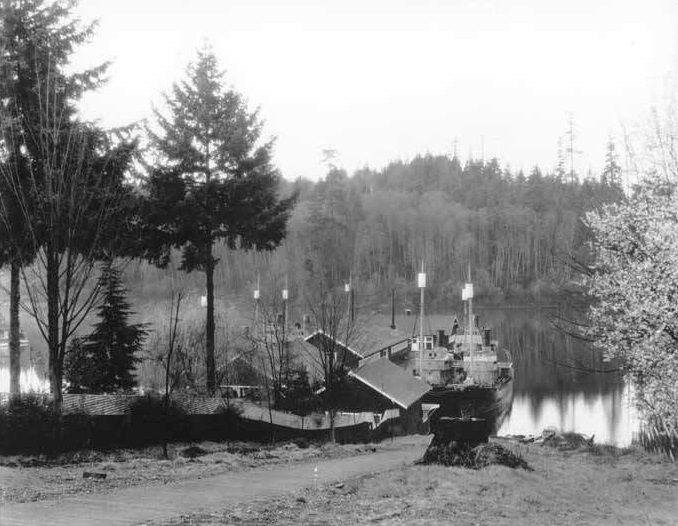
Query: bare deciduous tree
{"points": [[71, 200], [270, 340], [336, 330]]}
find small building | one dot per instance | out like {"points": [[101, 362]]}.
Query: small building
{"points": [[344, 354], [379, 386]]}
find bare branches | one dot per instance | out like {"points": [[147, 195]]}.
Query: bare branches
{"points": [[66, 184], [174, 310], [270, 339], [335, 332]]}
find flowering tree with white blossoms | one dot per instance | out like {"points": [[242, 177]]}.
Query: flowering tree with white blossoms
{"points": [[634, 316]]}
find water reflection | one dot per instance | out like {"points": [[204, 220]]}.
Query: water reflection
{"points": [[29, 380], [610, 418], [559, 380]]}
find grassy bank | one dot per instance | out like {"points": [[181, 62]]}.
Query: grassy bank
{"points": [[590, 485], [30, 478]]}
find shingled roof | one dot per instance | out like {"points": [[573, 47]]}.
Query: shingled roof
{"points": [[319, 334], [391, 381]]}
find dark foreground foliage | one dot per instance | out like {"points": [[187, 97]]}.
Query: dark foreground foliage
{"points": [[29, 424], [473, 456]]}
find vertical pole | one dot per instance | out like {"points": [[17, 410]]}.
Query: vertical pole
{"points": [[393, 325], [256, 310], [352, 305], [283, 351], [470, 330], [285, 296], [284, 315], [349, 292], [422, 286], [470, 316], [421, 332]]}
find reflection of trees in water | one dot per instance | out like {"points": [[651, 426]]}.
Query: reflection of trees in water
{"points": [[550, 365], [548, 361]]}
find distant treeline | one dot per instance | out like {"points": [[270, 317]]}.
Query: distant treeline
{"points": [[517, 233]]}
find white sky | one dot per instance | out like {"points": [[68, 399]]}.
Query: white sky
{"points": [[383, 80]]}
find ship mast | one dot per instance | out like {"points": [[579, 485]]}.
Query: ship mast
{"points": [[469, 296], [421, 281]]}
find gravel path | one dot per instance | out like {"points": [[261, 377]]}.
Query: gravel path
{"points": [[143, 504]]}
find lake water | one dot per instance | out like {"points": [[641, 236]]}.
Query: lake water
{"points": [[559, 380], [29, 380]]}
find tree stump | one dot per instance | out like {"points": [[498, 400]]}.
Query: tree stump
{"points": [[454, 439], [464, 442]]}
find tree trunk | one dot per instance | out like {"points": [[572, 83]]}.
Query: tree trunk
{"points": [[209, 325], [333, 437], [55, 358], [14, 327]]}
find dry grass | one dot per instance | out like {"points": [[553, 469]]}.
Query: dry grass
{"points": [[473, 457], [33, 478], [566, 487]]}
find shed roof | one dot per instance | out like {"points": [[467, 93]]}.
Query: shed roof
{"points": [[322, 334], [391, 381]]}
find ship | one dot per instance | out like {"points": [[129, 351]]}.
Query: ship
{"points": [[470, 375]]}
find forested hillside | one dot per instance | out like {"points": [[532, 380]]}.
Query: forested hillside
{"points": [[517, 232]]}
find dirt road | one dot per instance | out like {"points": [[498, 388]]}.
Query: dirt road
{"points": [[141, 504]]}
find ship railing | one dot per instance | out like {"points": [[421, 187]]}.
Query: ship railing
{"points": [[503, 356]]}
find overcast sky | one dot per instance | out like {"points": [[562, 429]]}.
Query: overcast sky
{"points": [[381, 80]]}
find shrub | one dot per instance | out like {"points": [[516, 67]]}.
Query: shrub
{"points": [[29, 424], [26, 424], [154, 421], [658, 437]]}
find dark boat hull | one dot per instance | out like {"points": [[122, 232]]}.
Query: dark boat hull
{"points": [[491, 404]]}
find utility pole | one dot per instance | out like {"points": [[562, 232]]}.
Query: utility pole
{"points": [[256, 310], [421, 281], [285, 297], [393, 325], [349, 300]]}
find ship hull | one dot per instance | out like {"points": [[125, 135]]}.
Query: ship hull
{"points": [[490, 404]]}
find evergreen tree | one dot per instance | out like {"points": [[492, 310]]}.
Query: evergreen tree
{"points": [[611, 171], [104, 361], [214, 181], [64, 175], [560, 172]]}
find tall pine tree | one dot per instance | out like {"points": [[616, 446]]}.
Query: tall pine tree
{"points": [[214, 181], [104, 361]]}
